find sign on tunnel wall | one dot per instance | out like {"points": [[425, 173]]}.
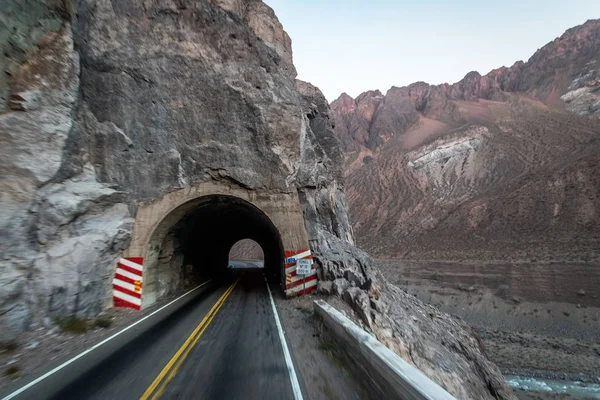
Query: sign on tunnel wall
{"points": [[127, 284], [295, 284]]}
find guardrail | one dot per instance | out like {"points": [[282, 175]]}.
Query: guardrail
{"points": [[390, 376]]}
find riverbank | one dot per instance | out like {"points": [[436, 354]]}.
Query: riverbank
{"points": [[536, 320], [548, 389]]}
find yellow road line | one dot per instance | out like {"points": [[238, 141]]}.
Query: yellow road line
{"points": [[184, 350]]}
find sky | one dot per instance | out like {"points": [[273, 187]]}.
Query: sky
{"points": [[357, 45]]}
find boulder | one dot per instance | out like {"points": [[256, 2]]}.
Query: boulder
{"points": [[325, 287], [339, 285]]}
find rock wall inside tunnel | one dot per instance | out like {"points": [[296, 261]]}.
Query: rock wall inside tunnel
{"points": [[141, 128], [246, 249]]}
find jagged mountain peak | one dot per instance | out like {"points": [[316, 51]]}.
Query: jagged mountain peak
{"points": [[497, 165]]}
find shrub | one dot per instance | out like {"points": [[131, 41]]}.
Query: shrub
{"points": [[103, 322], [8, 345], [71, 324]]}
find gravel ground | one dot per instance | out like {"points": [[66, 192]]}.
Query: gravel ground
{"points": [[325, 375], [540, 356], [530, 326], [522, 395]]}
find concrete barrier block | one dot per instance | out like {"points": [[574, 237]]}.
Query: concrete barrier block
{"points": [[389, 375]]}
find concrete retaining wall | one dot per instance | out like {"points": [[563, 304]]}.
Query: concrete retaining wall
{"points": [[390, 376]]}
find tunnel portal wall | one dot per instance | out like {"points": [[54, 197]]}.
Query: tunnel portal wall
{"points": [[155, 219]]}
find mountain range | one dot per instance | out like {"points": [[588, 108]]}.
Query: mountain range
{"points": [[504, 166]]}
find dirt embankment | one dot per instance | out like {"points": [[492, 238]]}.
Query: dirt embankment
{"points": [[540, 320]]}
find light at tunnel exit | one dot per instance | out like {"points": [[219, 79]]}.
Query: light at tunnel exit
{"points": [[246, 253]]}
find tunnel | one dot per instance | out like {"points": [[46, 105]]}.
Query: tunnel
{"points": [[193, 243], [246, 249]]}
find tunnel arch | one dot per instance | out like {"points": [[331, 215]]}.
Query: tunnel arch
{"points": [[246, 249], [191, 247], [195, 227]]}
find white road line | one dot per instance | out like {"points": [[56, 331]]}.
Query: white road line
{"points": [[286, 352], [61, 366]]}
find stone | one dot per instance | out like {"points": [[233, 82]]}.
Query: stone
{"points": [[32, 345], [35, 137], [378, 306], [359, 300], [583, 100], [325, 287], [581, 292], [516, 300], [264, 23], [339, 285], [435, 342]]}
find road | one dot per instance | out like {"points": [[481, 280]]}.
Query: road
{"points": [[245, 264], [223, 345]]}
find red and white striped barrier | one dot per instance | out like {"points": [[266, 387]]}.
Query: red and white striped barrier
{"points": [[127, 284], [298, 284]]}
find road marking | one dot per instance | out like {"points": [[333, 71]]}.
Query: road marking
{"points": [[286, 352], [175, 362], [61, 366]]}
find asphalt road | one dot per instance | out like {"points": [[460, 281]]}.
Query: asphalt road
{"points": [[236, 264], [223, 345]]}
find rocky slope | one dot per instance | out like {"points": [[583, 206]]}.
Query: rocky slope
{"points": [[107, 104], [503, 166]]}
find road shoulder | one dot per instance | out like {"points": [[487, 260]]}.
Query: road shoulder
{"points": [[322, 375]]}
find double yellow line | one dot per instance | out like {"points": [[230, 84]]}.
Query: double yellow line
{"points": [[170, 370]]}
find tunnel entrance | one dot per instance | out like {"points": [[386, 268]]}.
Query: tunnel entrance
{"points": [[248, 252], [193, 242]]}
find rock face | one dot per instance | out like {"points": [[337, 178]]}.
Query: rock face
{"points": [[503, 166], [444, 348], [49, 218], [264, 24], [129, 116], [108, 104]]}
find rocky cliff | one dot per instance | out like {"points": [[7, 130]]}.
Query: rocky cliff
{"points": [[110, 104], [497, 167], [106, 104]]}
